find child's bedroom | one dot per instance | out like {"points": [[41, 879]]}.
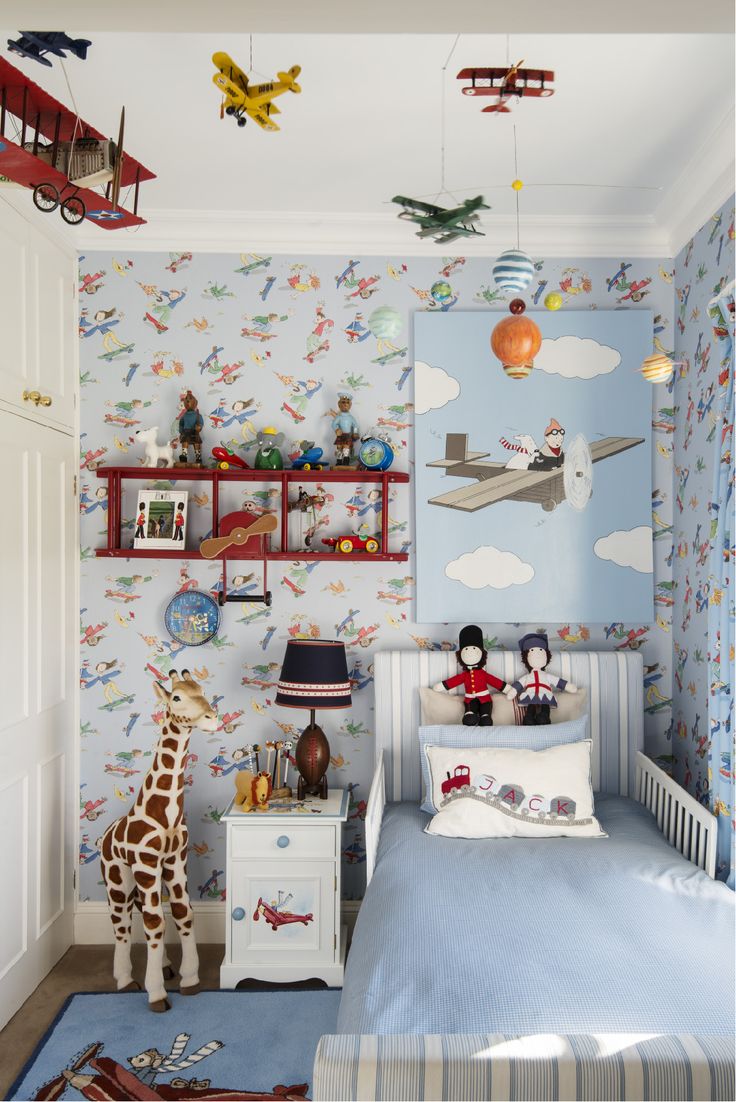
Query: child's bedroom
{"points": [[367, 406]]}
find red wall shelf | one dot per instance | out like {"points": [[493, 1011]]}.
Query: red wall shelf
{"points": [[116, 475]]}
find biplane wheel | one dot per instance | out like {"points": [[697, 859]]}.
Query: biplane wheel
{"points": [[371, 546], [46, 197], [549, 505], [242, 122], [230, 110], [73, 210]]}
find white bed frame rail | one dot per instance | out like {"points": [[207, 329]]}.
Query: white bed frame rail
{"points": [[686, 824]]}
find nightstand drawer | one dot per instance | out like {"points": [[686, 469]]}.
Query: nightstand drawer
{"points": [[282, 842]]}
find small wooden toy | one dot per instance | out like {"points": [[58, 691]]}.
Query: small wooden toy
{"points": [[307, 503], [310, 459], [536, 689], [347, 545], [346, 431], [191, 424], [154, 450], [252, 791], [268, 456], [241, 98], [227, 459]]}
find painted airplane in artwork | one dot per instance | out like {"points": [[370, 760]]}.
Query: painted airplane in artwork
{"points": [[571, 481], [505, 83], [48, 148], [244, 100], [441, 223]]}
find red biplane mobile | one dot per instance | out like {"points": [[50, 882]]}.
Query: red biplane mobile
{"points": [[61, 157], [505, 82]]}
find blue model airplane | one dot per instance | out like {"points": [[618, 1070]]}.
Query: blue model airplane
{"points": [[36, 44]]}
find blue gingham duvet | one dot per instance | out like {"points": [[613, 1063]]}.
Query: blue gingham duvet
{"points": [[516, 936]]}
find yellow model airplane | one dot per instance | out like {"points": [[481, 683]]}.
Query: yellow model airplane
{"points": [[242, 99]]}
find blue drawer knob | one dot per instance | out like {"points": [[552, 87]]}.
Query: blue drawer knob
{"points": [[282, 841], [238, 914]]}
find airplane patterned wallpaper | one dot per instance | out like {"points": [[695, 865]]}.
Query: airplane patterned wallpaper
{"points": [[266, 341], [703, 441]]}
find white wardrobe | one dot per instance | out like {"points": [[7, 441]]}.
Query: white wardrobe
{"points": [[38, 602]]}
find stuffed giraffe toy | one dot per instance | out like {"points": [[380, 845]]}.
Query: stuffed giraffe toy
{"points": [[146, 849]]}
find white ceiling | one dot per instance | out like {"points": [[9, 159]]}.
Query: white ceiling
{"points": [[644, 112]]}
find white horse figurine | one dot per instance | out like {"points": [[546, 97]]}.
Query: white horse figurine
{"points": [[154, 450]]}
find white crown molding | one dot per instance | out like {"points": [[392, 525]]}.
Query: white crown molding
{"points": [[56, 231], [316, 233], [92, 925], [704, 184]]}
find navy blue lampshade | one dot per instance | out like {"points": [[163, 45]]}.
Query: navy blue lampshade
{"points": [[314, 675]]}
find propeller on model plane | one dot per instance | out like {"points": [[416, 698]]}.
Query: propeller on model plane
{"points": [[215, 546], [117, 171]]}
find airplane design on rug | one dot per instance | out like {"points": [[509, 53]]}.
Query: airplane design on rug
{"points": [[241, 98], [442, 223], [506, 82], [571, 481], [74, 158]]}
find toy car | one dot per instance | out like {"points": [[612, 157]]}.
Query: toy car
{"points": [[347, 544], [227, 459], [309, 460]]}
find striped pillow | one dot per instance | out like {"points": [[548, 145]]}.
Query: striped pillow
{"points": [[505, 738]]}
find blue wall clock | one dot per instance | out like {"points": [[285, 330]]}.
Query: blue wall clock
{"points": [[192, 617]]}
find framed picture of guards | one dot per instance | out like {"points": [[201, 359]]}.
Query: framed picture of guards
{"points": [[160, 520]]}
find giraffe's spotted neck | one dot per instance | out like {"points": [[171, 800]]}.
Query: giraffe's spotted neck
{"points": [[165, 778]]}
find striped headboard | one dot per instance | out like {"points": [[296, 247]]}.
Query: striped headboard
{"points": [[614, 683]]}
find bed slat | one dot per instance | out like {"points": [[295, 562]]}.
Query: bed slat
{"points": [[689, 827]]}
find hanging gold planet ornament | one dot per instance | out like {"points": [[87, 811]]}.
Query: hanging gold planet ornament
{"points": [[553, 301], [515, 341], [657, 368]]}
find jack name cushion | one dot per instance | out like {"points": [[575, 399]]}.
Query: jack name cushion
{"points": [[502, 793], [511, 738], [446, 709]]}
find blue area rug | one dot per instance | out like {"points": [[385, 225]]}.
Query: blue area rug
{"points": [[218, 1044]]}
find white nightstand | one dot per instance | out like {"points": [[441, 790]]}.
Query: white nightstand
{"points": [[283, 892]]}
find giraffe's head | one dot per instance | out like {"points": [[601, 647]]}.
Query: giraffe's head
{"points": [[185, 702]]}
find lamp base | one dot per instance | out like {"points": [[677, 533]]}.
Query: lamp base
{"points": [[312, 757]]}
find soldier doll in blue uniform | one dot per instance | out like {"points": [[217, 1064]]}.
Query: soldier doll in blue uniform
{"points": [[476, 681]]}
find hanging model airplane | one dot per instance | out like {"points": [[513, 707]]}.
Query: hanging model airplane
{"points": [[572, 481], [241, 98], [37, 44], [506, 82], [74, 158], [441, 223]]}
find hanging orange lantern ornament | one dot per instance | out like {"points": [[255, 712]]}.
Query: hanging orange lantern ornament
{"points": [[516, 341], [657, 368]]}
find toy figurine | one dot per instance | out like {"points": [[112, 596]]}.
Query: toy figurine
{"points": [[476, 680], [535, 689], [155, 451], [346, 431], [268, 456], [191, 423], [252, 791]]}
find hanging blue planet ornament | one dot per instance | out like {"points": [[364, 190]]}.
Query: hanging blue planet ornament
{"points": [[513, 271]]}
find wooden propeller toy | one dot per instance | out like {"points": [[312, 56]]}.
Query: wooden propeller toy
{"points": [[235, 531]]}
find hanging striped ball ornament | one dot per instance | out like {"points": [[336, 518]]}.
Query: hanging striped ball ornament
{"points": [[657, 368], [514, 270]]}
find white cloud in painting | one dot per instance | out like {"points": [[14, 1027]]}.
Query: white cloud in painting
{"points": [[576, 357], [433, 387], [627, 547], [487, 567]]}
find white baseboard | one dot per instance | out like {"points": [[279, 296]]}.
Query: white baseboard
{"points": [[92, 925]]}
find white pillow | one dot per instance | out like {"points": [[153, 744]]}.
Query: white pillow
{"points": [[500, 793], [446, 709]]}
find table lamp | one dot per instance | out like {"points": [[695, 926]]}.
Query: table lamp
{"points": [[314, 675]]}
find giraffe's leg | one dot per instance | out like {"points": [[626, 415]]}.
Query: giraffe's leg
{"points": [[120, 887], [174, 872], [148, 882]]}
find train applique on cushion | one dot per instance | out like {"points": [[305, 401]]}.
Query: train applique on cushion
{"points": [[509, 798]]}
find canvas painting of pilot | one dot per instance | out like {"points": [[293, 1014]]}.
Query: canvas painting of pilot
{"points": [[533, 494]]}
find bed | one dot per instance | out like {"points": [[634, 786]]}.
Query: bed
{"points": [[573, 968]]}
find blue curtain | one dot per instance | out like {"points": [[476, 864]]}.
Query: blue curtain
{"points": [[721, 596]]}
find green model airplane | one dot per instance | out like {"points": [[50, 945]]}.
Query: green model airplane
{"points": [[439, 222]]}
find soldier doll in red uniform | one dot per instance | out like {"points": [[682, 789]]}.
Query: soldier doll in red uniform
{"points": [[476, 680]]}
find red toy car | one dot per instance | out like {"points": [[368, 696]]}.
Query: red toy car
{"points": [[347, 544], [276, 918], [226, 459]]}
